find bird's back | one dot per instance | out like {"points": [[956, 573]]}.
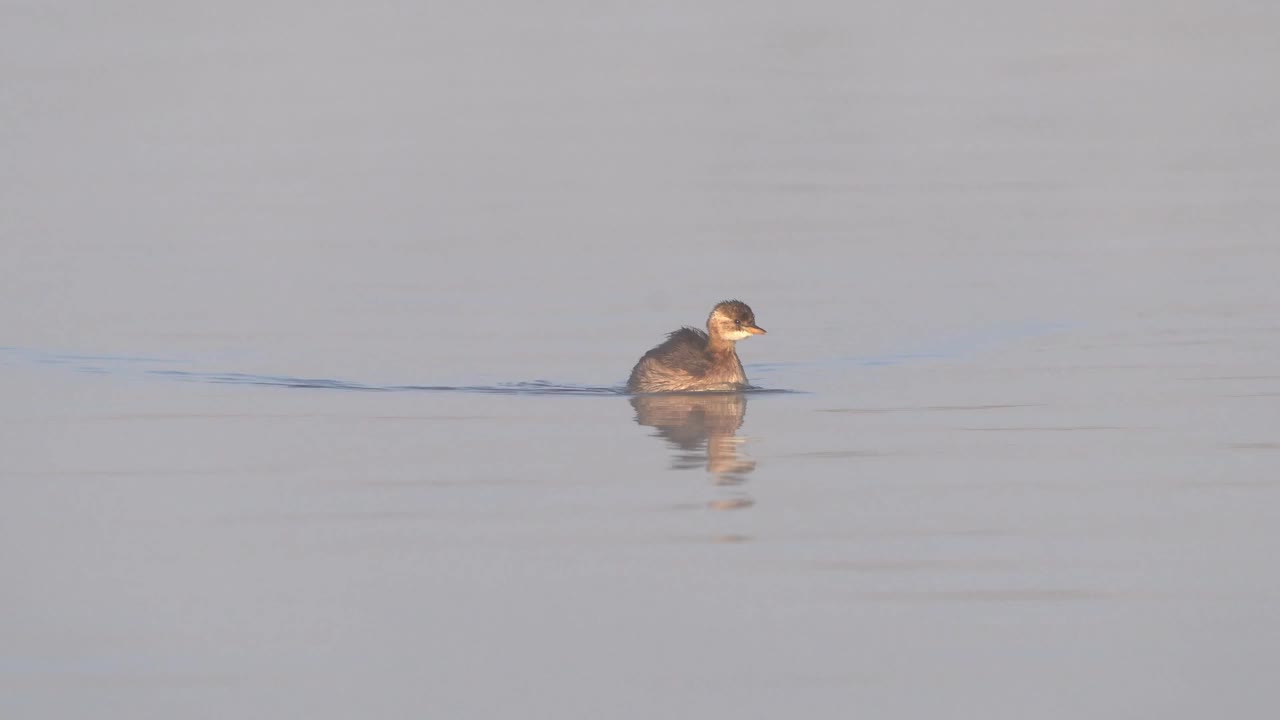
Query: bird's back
{"points": [[680, 359], [686, 349]]}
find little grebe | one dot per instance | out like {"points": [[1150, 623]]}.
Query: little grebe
{"points": [[693, 360]]}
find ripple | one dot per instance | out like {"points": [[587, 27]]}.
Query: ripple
{"points": [[137, 365]]}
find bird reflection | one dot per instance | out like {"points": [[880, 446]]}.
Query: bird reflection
{"points": [[702, 428]]}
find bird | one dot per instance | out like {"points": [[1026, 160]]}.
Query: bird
{"points": [[691, 360]]}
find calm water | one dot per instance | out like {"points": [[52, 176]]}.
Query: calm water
{"points": [[312, 319]]}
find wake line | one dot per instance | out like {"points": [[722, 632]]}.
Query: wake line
{"points": [[535, 387], [137, 365]]}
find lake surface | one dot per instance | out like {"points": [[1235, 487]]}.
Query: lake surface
{"points": [[313, 319]]}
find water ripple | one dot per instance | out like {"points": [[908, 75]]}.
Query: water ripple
{"points": [[138, 366], [945, 348]]}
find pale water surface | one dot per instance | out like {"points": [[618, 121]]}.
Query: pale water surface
{"points": [[313, 315]]}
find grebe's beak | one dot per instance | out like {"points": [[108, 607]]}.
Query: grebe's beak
{"points": [[755, 330]]}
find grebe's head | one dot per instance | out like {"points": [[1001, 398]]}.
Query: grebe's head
{"points": [[732, 320]]}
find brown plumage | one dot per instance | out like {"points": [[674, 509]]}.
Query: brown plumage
{"points": [[692, 360]]}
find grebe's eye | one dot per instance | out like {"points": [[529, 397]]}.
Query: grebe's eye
{"points": [[738, 323]]}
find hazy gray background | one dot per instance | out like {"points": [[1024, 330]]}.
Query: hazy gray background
{"points": [[1023, 260]]}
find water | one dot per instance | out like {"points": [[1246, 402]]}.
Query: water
{"points": [[314, 319]]}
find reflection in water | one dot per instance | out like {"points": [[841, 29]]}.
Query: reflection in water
{"points": [[702, 428]]}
